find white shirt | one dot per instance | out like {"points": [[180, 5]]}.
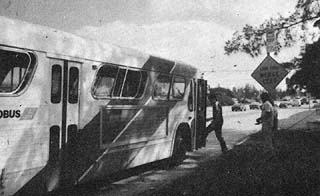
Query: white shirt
{"points": [[267, 114]]}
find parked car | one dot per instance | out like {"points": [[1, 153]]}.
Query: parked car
{"points": [[283, 105], [277, 103], [254, 106], [316, 105], [304, 101], [238, 107], [296, 103]]}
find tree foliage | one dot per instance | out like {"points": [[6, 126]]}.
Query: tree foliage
{"points": [[225, 95], [307, 76], [289, 30], [246, 92]]}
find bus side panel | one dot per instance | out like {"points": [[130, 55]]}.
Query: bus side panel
{"points": [[125, 157], [180, 115], [121, 126], [24, 137], [120, 134]]}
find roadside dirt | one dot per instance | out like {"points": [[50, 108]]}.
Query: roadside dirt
{"points": [[248, 169]]}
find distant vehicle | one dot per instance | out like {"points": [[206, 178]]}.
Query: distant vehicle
{"points": [[277, 103], [285, 101], [254, 106], [314, 101], [296, 103], [238, 107], [304, 101], [283, 105]]}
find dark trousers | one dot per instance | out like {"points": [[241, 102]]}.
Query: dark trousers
{"points": [[217, 127]]}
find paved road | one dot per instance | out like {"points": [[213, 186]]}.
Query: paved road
{"points": [[147, 179]]}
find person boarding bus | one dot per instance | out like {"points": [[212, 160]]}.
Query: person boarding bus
{"points": [[217, 121]]}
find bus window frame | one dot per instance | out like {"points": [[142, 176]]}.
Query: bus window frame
{"points": [[54, 99], [171, 87], [122, 83], [73, 91], [145, 84], [119, 67], [33, 62], [125, 81], [191, 96], [95, 80]]}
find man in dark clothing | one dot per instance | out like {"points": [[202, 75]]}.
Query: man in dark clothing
{"points": [[217, 121]]}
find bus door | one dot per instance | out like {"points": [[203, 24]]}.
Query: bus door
{"points": [[200, 113], [64, 117]]}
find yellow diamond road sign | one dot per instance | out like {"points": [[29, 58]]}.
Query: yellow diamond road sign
{"points": [[269, 74]]}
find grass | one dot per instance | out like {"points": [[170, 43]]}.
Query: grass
{"points": [[248, 169]]}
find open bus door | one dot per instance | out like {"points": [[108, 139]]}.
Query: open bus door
{"points": [[200, 110]]}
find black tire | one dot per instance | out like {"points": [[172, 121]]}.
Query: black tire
{"points": [[179, 149]]}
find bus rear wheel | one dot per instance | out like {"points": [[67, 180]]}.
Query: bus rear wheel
{"points": [[179, 149]]}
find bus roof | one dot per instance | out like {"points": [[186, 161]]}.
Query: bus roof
{"points": [[25, 35]]}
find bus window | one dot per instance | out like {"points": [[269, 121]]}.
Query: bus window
{"points": [[190, 97], [15, 70], [54, 143], [131, 85], [73, 85], [161, 87], [178, 88], [105, 79], [142, 85], [118, 86], [119, 82], [56, 83]]}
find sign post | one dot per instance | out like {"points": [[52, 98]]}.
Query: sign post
{"points": [[269, 74], [309, 99], [270, 40]]}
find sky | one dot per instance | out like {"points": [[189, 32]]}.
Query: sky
{"points": [[192, 31]]}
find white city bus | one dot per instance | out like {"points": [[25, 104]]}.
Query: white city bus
{"points": [[75, 110]]}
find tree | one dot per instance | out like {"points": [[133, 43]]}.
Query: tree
{"points": [[225, 95], [246, 92], [307, 76], [288, 30], [250, 93]]}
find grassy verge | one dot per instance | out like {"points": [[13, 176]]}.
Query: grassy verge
{"points": [[247, 169]]}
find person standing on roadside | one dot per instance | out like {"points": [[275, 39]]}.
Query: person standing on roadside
{"points": [[267, 120], [217, 121]]}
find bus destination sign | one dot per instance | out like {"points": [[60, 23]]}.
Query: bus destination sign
{"points": [[269, 74]]}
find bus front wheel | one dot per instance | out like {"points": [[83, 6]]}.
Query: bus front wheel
{"points": [[179, 149]]}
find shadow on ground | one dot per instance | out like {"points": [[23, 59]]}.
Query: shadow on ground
{"points": [[249, 169]]}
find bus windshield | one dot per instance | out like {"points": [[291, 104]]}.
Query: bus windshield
{"points": [[14, 70]]}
